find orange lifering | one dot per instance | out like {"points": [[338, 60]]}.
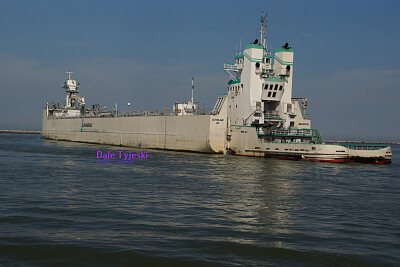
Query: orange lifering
{"points": [[236, 93], [179, 111]]}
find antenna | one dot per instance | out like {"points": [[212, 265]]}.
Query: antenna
{"points": [[69, 74], [265, 31], [262, 30], [192, 89]]}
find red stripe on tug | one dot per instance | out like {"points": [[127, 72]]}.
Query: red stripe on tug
{"points": [[322, 160]]}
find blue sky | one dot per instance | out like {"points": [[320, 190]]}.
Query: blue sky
{"points": [[345, 56]]}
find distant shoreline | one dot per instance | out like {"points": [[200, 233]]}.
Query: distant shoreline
{"points": [[20, 131], [327, 141]]}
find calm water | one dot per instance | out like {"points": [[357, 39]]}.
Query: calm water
{"points": [[60, 207]]}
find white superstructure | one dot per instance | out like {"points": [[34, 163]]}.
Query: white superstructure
{"points": [[257, 117], [186, 108]]}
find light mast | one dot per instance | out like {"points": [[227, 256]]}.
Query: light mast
{"points": [[263, 31]]}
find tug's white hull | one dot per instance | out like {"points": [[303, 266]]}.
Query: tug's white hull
{"points": [[244, 141]]}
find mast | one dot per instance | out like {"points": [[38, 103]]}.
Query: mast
{"points": [[263, 30], [69, 74], [192, 89]]}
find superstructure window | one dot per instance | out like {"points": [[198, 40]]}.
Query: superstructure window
{"points": [[271, 86], [269, 94], [266, 86], [280, 88], [276, 87], [274, 94]]}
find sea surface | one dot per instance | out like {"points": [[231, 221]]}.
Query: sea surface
{"points": [[61, 207]]}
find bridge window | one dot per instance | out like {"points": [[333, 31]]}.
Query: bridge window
{"points": [[274, 94], [280, 88], [276, 87], [271, 86], [269, 94], [266, 86]]}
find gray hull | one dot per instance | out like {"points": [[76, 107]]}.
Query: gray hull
{"points": [[199, 133]]}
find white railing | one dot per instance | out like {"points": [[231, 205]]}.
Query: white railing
{"points": [[271, 114], [293, 132], [229, 66], [232, 66]]}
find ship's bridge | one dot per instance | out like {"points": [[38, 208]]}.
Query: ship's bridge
{"points": [[272, 89]]}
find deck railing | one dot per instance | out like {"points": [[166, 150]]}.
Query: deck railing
{"points": [[233, 66], [364, 147], [133, 114], [289, 132], [271, 114], [312, 134]]}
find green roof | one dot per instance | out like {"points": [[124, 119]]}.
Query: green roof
{"points": [[281, 49], [234, 81], [274, 79]]}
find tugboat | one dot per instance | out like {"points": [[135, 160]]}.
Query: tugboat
{"points": [[263, 118]]}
